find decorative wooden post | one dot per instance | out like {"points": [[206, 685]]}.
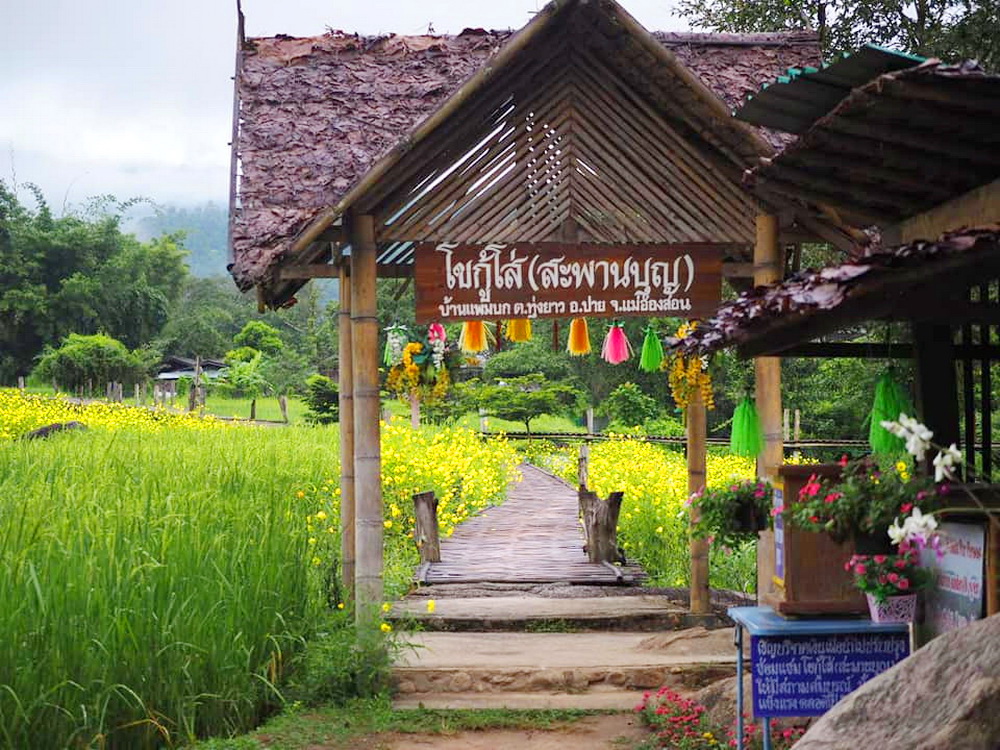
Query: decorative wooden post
{"points": [[697, 433], [600, 525], [768, 267], [367, 452], [425, 531], [346, 402]]}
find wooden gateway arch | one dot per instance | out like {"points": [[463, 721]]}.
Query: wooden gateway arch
{"points": [[359, 156]]}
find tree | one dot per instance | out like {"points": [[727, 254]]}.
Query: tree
{"points": [[522, 399], [244, 376], [78, 274], [628, 406], [322, 398], [941, 28], [91, 361], [260, 336]]}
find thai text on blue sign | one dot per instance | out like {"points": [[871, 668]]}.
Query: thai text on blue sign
{"points": [[805, 675]]}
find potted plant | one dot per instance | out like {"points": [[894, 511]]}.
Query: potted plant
{"points": [[890, 583], [733, 513], [862, 503]]}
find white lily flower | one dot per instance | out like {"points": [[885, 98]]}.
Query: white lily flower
{"points": [[894, 427], [944, 461]]}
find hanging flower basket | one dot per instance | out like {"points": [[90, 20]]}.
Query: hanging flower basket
{"points": [[750, 517], [893, 609]]}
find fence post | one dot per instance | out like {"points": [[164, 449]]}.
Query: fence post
{"points": [[20, 382], [283, 405], [425, 532], [600, 525]]}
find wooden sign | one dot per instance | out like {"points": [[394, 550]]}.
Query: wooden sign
{"points": [[560, 280]]}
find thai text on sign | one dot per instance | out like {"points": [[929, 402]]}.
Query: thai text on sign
{"points": [[555, 280], [805, 675]]}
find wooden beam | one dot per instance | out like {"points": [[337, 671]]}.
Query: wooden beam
{"points": [[346, 402], [979, 207], [840, 199], [367, 451], [937, 384], [737, 270], [697, 432], [311, 271]]}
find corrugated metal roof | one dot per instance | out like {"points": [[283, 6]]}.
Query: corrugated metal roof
{"points": [[794, 101]]}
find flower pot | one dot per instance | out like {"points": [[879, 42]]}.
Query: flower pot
{"points": [[748, 517], [901, 608], [872, 543]]}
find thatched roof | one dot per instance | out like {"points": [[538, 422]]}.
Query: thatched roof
{"points": [[917, 280], [318, 113]]}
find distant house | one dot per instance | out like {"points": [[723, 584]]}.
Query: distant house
{"points": [[175, 368]]}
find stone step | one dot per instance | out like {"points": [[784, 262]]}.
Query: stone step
{"points": [[533, 613], [580, 670]]}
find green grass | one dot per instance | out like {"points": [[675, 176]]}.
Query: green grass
{"points": [[267, 408], [342, 727], [152, 587]]}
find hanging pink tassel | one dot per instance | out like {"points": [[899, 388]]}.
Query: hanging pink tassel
{"points": [[616, 347], [435, 332]]}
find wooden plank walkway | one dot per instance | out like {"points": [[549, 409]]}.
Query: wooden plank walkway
{"points": [[534, 537]]}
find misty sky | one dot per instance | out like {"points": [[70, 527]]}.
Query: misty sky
{"points": [[134, 97]]}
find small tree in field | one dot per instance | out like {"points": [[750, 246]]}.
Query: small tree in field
{"points": [[323, 399], [628, 406], [92, 361], [524, 398]]}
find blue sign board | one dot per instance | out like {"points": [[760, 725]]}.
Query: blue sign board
{"points": [[804, 675]]}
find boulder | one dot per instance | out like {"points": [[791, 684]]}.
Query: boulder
{"points": [[50, 429], [946, 696]]}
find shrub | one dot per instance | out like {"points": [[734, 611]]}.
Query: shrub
{"points": [[323, 399], [92, 361], [628, 406]]}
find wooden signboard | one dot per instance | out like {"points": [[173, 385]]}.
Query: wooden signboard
{"points": [[560, 280]]}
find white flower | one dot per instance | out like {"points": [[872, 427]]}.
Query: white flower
{"points": [[945, 461], [894, 427], [896, 533], [916, 435]]}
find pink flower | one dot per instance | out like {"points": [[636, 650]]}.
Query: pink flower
{"points": [[903, 584], [759, 494], [843, 460], [879, 559], [814, 519], [778, 511], [893, 577], [899, 564], [906, 507], [860, 569], [832, 497], [811, 487]]}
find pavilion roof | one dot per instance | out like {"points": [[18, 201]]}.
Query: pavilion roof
{"points": [[923, 280], [342, 122]]}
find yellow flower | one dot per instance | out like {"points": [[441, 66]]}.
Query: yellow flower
{"points": [[300, 494], [316, 561], [385, 627], [312, 540], [386, 606], [387, 523], [321, 515], [340, 605], [431, 604]]}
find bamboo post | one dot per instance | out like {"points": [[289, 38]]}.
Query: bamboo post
{"points": [[346, 402], [283, 406], [367, 453], [414, 411], [195, 385], [425, 530], [768, 267], [697, 434]]}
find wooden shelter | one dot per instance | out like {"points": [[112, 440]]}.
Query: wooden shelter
{"points": [[913, 153], [580, 127]]}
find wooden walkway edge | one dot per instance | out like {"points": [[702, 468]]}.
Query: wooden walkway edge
{"points": [[535, 536]]}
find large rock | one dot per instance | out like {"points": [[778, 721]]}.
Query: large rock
{"points": [[946, 696]]}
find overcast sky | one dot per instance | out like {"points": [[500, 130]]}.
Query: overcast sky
{"points": [[134, 97]]}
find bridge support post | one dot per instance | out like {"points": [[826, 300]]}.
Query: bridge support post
{"points": [[697, 430]]}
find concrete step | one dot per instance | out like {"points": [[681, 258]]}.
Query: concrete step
{"points": [[578, 670], [542, 614]]}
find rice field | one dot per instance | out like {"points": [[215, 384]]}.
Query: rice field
{"points": [[158, 574]]}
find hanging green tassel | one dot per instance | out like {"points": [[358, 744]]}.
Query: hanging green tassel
{"points": [[890, 401], [747, 438], [652, 352]]}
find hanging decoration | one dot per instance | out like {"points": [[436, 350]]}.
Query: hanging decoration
{"points": [[890, 401], [616, 347], [689, 374], [473, 338], [395, 338], [652, 352], [519, 330], [437, 338], [422, 374], [578, 343], [747, 438]]}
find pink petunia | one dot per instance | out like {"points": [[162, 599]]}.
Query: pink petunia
{"points": [[893, 577], [906, 507], [879, 559], [860, 569], [900, 564], [903, 584]]}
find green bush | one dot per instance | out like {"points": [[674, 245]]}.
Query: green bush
{"points": [[627, 405], [93, 361], [323, 399]]}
